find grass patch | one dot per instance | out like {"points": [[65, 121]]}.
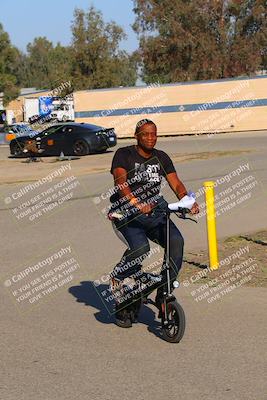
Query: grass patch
{"points": [[236, 254]]}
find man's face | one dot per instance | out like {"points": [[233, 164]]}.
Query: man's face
{"points": [[147, 137]]}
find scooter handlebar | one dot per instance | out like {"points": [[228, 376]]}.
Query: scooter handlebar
{"points": [[183, 207]]}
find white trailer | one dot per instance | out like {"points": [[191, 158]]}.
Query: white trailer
{"points": [[31, 107], [62, 110]]}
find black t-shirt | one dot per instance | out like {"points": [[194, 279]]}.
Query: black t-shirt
{"points": [[144, 175]]}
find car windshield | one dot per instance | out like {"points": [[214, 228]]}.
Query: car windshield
{"points": [[51, 130]]}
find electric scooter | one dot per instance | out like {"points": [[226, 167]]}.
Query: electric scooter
{"points": [[171, 312]]}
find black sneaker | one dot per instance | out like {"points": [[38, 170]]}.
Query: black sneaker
{"points": [[123, 319], [154, 279]]}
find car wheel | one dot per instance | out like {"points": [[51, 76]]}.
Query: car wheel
{"points": [[81, 148], [17, 149]]}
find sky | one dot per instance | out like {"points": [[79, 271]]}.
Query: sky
{"points": [[26, 19]]}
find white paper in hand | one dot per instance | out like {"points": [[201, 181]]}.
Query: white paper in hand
{"points": [[185, 202]]}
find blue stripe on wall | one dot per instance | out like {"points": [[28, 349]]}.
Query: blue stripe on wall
{"points": [[171, 109]]}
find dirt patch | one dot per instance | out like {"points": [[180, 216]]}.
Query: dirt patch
{"points": [[245, 255]]}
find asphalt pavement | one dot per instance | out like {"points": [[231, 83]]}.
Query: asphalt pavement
{"points": [[64, 344]]}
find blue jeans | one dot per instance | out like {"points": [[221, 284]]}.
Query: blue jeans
{"points": [[137, 231]]}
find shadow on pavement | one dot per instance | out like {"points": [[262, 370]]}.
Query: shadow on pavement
{"points": [[86, 293]]}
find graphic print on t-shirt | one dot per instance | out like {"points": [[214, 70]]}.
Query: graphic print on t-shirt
{"points": [[147, 173]]}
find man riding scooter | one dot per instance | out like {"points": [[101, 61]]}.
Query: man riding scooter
{"points": [[138, 171]]}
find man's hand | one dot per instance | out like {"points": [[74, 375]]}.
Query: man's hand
{"points": [[194, 209]]}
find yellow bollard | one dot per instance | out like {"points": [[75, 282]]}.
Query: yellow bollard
{"points": [[211, 225]]}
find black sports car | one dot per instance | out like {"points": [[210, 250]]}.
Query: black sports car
{"points": [[70, 138]]}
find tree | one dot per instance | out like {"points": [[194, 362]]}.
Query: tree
{"points": [[247, 43], [200, 39], [8, 55], [61, 61], [97, 60], [38, 64], [94, 59], [45, 66]]}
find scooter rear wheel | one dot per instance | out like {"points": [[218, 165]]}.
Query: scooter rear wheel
{"points": [[174, 329]]}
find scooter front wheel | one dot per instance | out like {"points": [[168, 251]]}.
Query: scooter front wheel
{"points": [[174, 327]]}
